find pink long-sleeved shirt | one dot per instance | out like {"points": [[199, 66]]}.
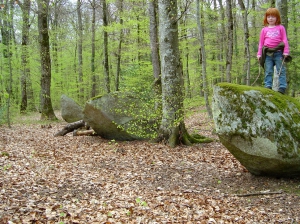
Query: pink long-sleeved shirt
{"points": [[271, 37]]}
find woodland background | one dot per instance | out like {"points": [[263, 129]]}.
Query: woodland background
{"points": [[97, 47], [94, 47]]}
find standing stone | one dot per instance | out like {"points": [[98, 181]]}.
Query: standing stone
{"points": [[70, 110]]}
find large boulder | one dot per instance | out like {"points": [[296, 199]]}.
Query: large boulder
{"points": [[260, 127], [120, 116], [70, 110]]}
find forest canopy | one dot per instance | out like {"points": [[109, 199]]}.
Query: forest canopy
{"points": [[97, 47]]}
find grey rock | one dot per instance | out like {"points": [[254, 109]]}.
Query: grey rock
{"points": [[120, 116], [260, 127], [70, 110]]}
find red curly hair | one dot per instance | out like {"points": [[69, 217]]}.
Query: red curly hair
{"points": [[272, 12]]}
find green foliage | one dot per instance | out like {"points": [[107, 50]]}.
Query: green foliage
{"points": [[4, 154], [31, 118], [6, 167], [3, 114], [137, 78], [140, 109], [136, 69], [141, 202]]}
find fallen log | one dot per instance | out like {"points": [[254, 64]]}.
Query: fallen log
{"points": [[83, 132], [71, 127]]}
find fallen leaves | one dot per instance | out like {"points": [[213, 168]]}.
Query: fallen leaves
{"points": [[87, 179]]}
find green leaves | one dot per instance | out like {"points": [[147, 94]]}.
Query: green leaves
{"points": [[141, 202]]}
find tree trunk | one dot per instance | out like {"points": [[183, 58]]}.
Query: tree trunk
{"points": [[9, 90], [292, 81], [46, 104], [117, 84], [282, 6], [203, 55], [246, 39], [25, 68], [154, 43], [172, 126], [188, 91], [222, 41], [229, 51], [80, 60], [5, 28], [25, 34], [185, 51], [94, 78], [105, 45]]}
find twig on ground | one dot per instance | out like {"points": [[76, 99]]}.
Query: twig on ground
{"points": [[259, 193]]}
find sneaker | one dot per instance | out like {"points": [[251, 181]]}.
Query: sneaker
{"points": [[281, 90]]}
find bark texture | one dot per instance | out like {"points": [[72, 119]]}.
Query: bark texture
{"points": [[70, 127], [105, 45], [80, 58], [172, 126], [25, 71], [46, 104]]}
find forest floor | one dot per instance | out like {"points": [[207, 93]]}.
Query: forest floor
{"points": [[87, 179]]}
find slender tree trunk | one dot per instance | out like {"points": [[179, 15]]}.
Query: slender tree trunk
{"points": [[5, 28], [200, 65], [117, 84], [6, 32], [105, 45], [255, 28], [46, 104], [203, 55], [94, 78], [221, 37], [10, 82], [80, 59], [293, 79], [246, 39], [25, 7], [9, 45], [184, 31], [188, 91], [229, 40], [154, 43], [54, 44], [138, 39], [282, 6]]}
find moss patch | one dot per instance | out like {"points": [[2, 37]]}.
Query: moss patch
{"points": [[254, 113]]}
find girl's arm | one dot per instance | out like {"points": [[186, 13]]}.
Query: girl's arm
{"points": [[260, 43]]}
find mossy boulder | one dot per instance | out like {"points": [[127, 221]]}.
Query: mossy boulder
{"points": [[121, 116], [260, 127]]}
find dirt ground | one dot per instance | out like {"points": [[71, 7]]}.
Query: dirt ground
{"points": [[87, 179]]}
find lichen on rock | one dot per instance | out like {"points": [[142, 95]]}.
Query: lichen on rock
{"points": [[260, 127]]}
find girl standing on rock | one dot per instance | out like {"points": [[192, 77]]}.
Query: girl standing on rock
{"points": [[273, 49]]}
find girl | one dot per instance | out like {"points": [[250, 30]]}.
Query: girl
{"points": [[273, 47]]}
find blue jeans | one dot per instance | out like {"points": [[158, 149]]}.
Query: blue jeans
{"points": [[276, 59]]}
